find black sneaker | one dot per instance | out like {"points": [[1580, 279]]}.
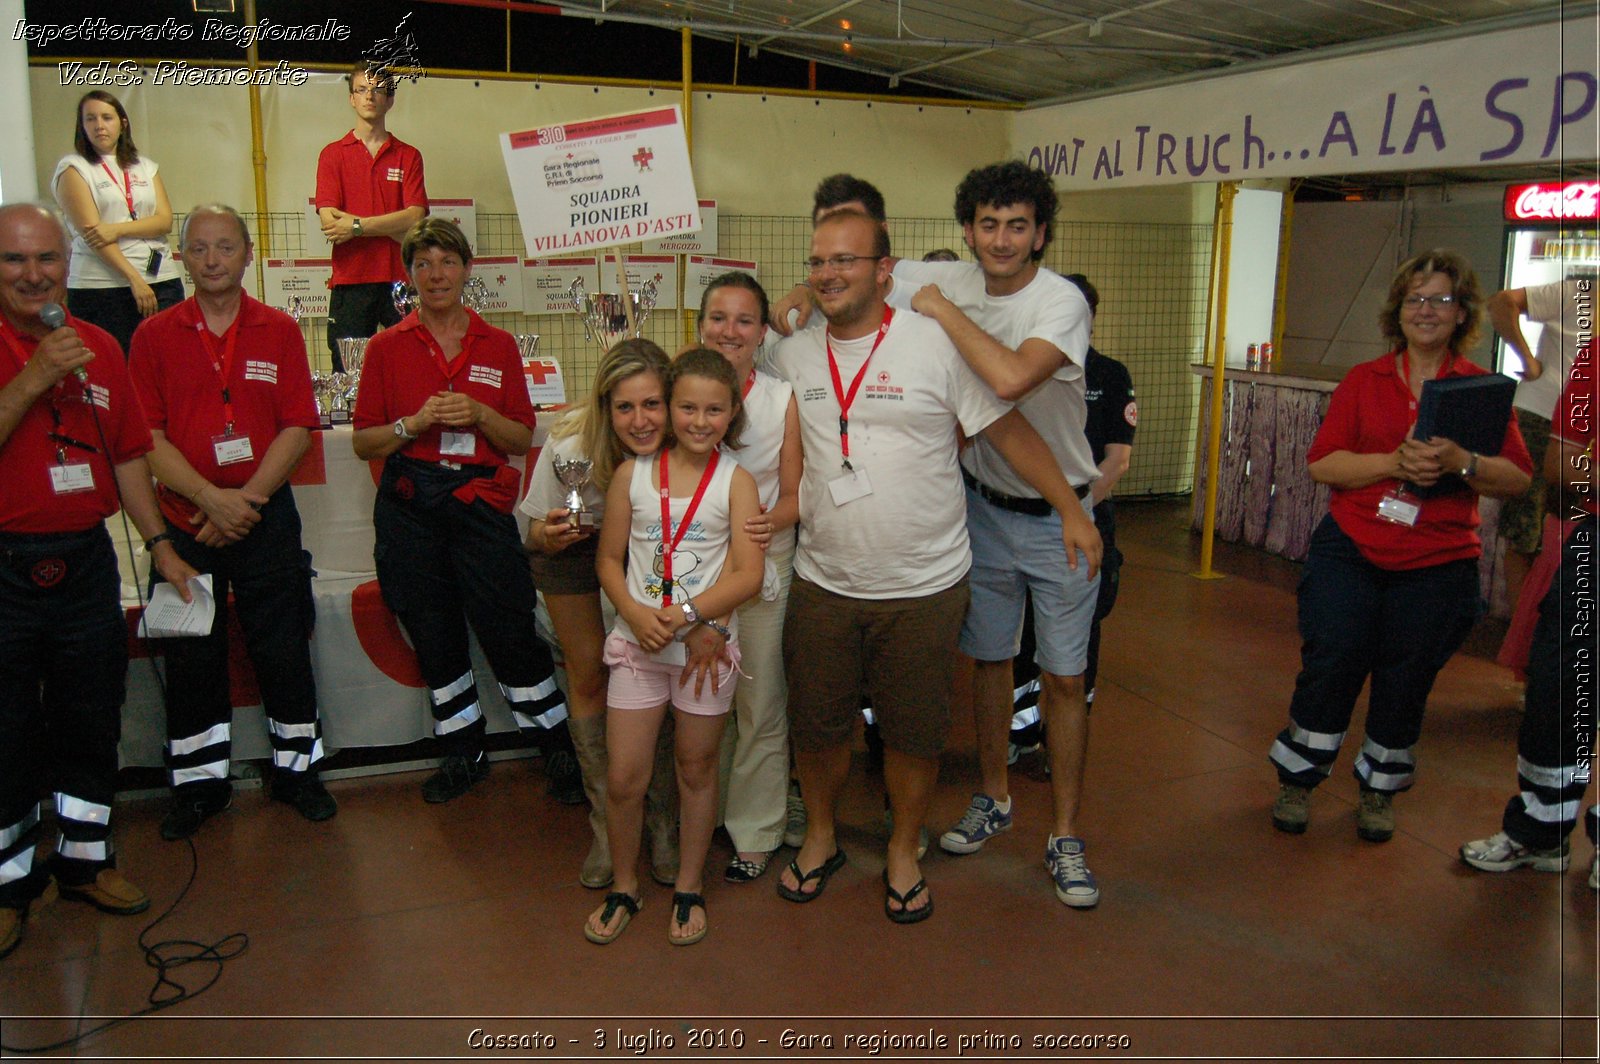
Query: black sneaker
{"points": [[304, 791], [455, 777], [566, 782], [192, 807]]}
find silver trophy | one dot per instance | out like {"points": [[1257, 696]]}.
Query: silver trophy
{"points": [[475, 294], [352, 352], [574, 474], [322, 388], [605, 316], [296, 308], [404, 296], [528, 346]]}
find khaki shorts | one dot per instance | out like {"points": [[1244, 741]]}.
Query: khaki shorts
{"points": [[569, 573], [1522, 518], [899, 652]]}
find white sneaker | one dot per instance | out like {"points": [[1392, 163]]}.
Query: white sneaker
{"points": [[1500, 853]]}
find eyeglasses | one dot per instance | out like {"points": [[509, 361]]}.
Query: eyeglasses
{"points": [[1436, 302], [837, 263], [373, 91]]}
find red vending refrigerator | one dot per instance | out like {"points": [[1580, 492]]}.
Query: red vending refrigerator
{"points": [[1551, 235]]}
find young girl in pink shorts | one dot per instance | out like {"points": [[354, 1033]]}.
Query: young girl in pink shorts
{"points": [[673, 642]]}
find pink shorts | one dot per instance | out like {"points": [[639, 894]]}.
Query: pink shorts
{"points": [[638, 681]]}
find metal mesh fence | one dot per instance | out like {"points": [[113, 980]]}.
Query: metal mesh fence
{"points": [[1151, 278]]}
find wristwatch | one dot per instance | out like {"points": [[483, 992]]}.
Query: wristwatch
{"points": [[400, 430], [1470, 470], [355, 226], [690, 614], [159, 537]]}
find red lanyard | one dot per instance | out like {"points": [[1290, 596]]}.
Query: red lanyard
{"points": [[451, 370], [749, 383], [223, 362], [56, 436], [127, 188], [670, 539], [847, 398]]}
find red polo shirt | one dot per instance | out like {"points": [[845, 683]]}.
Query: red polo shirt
{"points": [[352, 179], [180, 387], [1370, 413], [401, 372], [28, 502]]}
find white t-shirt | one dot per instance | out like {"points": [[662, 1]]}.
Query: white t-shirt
{"points": [[1052, 309], [909, 537], [89, 270], [546, 493], [701, 552], [766, 408], [1558, 306]]}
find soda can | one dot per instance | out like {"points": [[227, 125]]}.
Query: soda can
{"points": [[1266, 355], [1252, 356]]}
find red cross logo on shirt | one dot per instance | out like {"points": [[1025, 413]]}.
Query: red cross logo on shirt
{"points": [[642, 157], [883, 376]]}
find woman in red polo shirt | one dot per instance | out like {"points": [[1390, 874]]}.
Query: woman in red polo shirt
{"points": [[1390, 587], [443, 402]]}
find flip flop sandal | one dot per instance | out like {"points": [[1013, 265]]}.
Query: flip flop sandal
{"points": [[744, 870], [904, 915], [821, 874], [616, 900], [683, 904]]}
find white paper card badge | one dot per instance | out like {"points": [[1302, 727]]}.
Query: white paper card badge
{"points": [[71, 479], [1399, 510], [232, 449], [851, 486], [458, 444]]}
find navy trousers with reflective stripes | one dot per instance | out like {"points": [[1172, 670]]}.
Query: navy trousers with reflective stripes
{"points": [[1560, 717], [63, 664], [443, 567], [271, 583], [1359, 621]]}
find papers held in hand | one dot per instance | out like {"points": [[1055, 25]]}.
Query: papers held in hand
{"points": [[168, 615], [1470, 411]]}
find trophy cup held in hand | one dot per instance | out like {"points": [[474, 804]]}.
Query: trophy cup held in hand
{"points": [[605, 317], [574, 474]]}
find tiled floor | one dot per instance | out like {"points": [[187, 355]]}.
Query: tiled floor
{"points": [[398, 929]]}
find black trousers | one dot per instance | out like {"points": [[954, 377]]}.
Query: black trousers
{"points": [[270, 577], [442, 565], [63, 666], [1555, 748], [1356, 620], [358, 310], [114, 310]]}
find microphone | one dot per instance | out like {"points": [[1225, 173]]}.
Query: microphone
{"points": [[52, 315]]}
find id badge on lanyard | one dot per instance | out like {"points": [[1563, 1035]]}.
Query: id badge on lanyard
{"points": [[231, 448], [71, 478]]}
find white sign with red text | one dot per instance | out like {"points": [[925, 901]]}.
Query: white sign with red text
{"points": [[702, 243], [602, 182], [662, 269], [701, 270], [545, 283], [308, 280]]}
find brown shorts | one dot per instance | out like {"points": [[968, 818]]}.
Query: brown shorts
{"points": [[1522, 518], [569, 573], [899, 652]]}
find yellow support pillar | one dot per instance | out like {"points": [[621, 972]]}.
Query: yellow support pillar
{"points": [[1280, 301], [687, 315], [1224, 244], [258, 159]]}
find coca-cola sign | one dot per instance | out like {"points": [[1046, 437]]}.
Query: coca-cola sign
{"points": [[1573, 201]]}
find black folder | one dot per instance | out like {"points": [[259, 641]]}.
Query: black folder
{"points": [[1471, 411]]}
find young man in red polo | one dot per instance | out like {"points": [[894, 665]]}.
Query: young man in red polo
{"points": [[369, 192]]}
